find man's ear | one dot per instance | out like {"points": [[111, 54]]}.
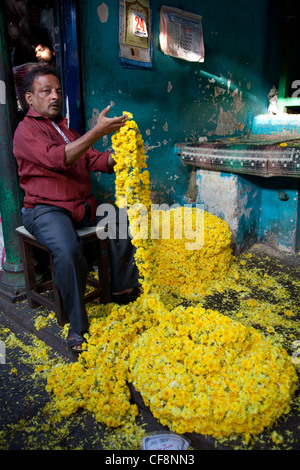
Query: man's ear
{"points": [[28, 97]]}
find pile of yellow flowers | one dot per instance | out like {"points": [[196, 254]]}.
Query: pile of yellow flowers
{"points": [[198, 370], [98, 381], [189, 272], [201, 372]]}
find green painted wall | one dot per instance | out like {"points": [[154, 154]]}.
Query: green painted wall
{"points": [[177, 100]]}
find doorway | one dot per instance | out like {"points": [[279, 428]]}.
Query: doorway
{"points": [[53, 23]]}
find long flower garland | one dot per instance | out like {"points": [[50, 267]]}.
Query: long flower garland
{"points": [[132, 178], [196, 369]]}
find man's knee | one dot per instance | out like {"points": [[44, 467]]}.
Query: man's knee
{"points": [[70, 253]]}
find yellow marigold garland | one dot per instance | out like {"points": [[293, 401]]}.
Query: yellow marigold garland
{"points": [[198, 370], [131, 182]]}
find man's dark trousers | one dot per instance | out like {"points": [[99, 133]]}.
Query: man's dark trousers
{"points": [[54, 227]]}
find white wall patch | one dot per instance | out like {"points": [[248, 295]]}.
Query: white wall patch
{"points": [[102, 11], [2, 92]]}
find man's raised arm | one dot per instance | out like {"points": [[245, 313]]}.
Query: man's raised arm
{"points": [[105, 126]]}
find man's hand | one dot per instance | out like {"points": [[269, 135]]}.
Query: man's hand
{"points": [[104, 126], [111, 160], [107, 126]]}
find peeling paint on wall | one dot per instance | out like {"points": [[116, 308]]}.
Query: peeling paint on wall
{"points": [[219, 91], [191, 195], [93, 120], [227, 124], [237, 101], [102, 11], [151, 147]]}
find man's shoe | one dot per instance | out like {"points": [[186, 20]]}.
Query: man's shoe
{"points": [[124, 299]]}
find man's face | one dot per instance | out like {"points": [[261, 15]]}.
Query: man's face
{"points": [[46, 96], [44, 54]]}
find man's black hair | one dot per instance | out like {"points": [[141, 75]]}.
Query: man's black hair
{"points": [[36, 72], [42, 37]]}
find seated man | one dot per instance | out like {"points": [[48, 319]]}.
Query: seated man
{"points": [[54, 164]]}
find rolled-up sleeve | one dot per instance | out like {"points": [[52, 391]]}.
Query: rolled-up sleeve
{"points": [[98, 161]]}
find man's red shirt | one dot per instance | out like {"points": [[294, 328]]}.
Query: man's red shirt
{"points": [[46, 179]]}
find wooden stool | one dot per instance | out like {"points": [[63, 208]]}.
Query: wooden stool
{"points": [[36, 291]]}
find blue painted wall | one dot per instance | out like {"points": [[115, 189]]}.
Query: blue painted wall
{"points": [[176, 100], [279, 213], [279, 217], [256, 209]]}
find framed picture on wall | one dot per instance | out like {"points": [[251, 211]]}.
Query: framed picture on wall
{"points": [[181, 34], [135, 33]]}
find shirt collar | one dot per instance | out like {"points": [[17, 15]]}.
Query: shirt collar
{"points": [[34, 114]]}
